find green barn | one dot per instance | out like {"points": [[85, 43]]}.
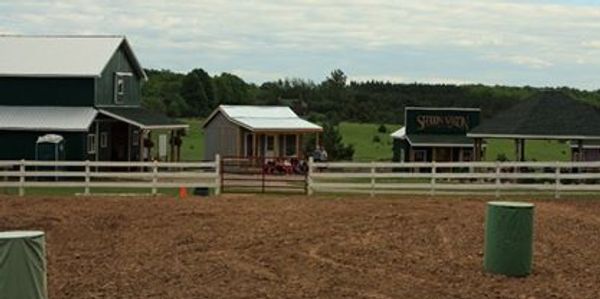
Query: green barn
{"points": [[86, 89]]}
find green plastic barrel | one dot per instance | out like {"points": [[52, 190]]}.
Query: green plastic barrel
{"points": [[23, 265], [509, 238]]}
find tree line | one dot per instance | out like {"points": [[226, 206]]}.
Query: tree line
{"points": [[197, 94]]}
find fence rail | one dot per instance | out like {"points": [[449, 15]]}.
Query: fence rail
{"points": [[493, 178], [95, 174], [432, 178]]}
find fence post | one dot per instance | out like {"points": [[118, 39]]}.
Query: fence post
{"points": [[433, 171], [219, 173], [372, 178], [557, 180], [497, 179], [309, 180], [22, 178], [87, 178], [154, 177]]}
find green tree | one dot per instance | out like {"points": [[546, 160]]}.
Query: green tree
{"points": [[333, 144], [194, 95], [209, 89], [231, 89]]}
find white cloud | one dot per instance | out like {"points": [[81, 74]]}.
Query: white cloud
{"points": [[249, 35]]}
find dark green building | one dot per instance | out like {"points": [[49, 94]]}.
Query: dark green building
{"points": [[435, 134], [86, 89]]}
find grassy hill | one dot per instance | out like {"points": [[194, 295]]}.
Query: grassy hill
{"points": [[362, 136]]}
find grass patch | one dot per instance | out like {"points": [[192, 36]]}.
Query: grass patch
{"points": [[538, 150], [192, 148], [362, 136]]}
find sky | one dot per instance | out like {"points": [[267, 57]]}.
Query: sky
{"points": [[528, 42]]}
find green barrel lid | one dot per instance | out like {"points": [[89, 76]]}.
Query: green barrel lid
{"points": [[20, 234], [511, 204]]}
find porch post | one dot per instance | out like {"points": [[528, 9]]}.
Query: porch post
{"points": [[254, 153], [297, 146], [171, 146], [580, 149], [517, 150], [317, 140], [522, 158], [142, 134], [178, 146], [477, 154]]}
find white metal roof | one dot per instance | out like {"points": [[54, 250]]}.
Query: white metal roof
{"points": [[56, 56], [399, 134], [265, 118], [50, 138], [37, 118]]}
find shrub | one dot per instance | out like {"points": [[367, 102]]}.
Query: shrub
{"points": [[376, 139], [501, 157], [382, 129]]}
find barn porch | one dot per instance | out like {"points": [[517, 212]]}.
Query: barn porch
{"points": [[135, 134]]}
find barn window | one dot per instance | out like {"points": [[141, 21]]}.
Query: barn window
{"points": [[91, 143], [420, 156], [135, 138], [103, 139], [121, 81]]}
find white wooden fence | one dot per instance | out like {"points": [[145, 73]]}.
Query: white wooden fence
{"points": [[91, 174], [493, 178]]}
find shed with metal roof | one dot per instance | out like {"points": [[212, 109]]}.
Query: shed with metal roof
{"points": [[255, 131]]}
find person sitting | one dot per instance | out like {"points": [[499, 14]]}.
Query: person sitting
{"points": [[317, 154], [323, 154]]}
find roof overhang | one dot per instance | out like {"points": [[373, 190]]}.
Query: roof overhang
{"points": [[142, 118], [399, 134], [269, 129], [442, 108], [543, 137], [46, 118], [439, 140]]}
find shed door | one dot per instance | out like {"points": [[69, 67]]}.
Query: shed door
{"points": [[269, 146]]}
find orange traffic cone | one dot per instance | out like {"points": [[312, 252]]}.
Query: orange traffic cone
{"points": [[182, 192]]}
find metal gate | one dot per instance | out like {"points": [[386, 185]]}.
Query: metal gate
{"points": [[260, 175]]}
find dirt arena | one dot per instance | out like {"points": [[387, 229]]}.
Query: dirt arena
{"points": [[298, 247]]}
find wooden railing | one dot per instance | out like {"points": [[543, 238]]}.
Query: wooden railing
{"points": [[493, 178], [92, 174]]}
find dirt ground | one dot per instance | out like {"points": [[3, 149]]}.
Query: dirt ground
{"points": [[298, 247]]}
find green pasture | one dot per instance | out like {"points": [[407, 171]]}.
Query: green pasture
{"points": [[362, 137], [193, 143]]}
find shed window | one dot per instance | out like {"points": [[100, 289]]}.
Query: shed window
{"points": [[91, 143], [290, 145]]}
